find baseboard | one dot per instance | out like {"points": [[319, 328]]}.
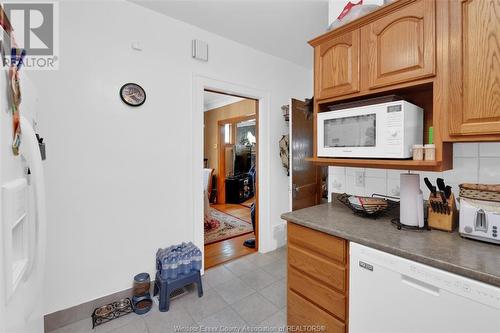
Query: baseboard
{"points": [[76, 313]]}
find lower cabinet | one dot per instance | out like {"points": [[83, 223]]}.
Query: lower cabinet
{"points": [[317, 293]]}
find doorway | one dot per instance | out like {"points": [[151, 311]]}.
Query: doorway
{"points": [[230, 176]]}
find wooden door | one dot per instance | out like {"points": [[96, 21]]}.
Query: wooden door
{"points": [[401, 45], [304, 175], [337, 66], [475, 67]]}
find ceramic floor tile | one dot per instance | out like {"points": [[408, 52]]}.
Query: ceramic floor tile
{"points": [[223, 319], [281, 252], [258, 279], [276, 293], [265, 259], [276, 269], [254, 309], [233, 290], [240, 267], [212, 309], [206, 285], [275, 323], [202, 307], [162, 322], [217, 275], [136, 326]]}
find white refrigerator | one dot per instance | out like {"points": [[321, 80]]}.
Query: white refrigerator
{"points": [[22, 218]]}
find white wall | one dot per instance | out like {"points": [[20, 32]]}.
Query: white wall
{"points": [[472, 163], [118, 177]]}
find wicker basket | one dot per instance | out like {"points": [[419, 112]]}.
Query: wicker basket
{"points": [[480, 192]]}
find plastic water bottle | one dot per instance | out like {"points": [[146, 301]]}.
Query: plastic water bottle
{"points": [[197, 260], [186, 267], [178, 259], [174, 267], [166, 268], [159, 253]]}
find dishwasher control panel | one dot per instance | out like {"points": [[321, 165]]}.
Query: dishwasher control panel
{"points": [[440, 279]]}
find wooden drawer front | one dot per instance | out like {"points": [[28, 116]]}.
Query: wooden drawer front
{"points": [[337, 66], [318, 293], [301, 312], [324, 270], [401, 45], [329, 246]]}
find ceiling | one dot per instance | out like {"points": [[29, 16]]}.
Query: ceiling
{"points": [[277, 27], [214, 100]]}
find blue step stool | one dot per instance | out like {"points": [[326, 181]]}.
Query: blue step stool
{"points": [[166, 286]]}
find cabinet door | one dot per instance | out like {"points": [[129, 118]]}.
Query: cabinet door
{"points": [[401, 45], [475, 67], [337, 66]]}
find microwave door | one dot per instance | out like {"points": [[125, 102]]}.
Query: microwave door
{"points": [[350, 135], [350, 132]]}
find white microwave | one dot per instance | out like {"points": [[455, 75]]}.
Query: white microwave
{"points": [[385, 130]]}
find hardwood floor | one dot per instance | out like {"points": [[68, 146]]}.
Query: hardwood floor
{"points": [[236, 210], [249, 202], [229, 249]]}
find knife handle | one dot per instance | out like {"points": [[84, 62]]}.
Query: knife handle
{"points": [[444, 204], [447, 191], [429, 185], [441, 185]]}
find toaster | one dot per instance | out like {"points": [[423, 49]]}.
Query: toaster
{"points": [[480, 220]]}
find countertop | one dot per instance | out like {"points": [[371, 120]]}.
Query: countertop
{"points": [[448, 251]]}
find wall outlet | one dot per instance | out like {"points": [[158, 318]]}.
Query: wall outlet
{"points": [[359, 178]]}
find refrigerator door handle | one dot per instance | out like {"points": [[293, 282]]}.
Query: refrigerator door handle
{"points": [[420, 285]]}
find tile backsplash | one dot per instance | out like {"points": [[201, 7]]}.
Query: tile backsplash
{"points": [[472, 163]]}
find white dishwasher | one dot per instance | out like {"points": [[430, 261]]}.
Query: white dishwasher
{"points": [[389, 294]]}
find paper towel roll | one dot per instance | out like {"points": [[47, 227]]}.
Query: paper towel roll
{"points": [[409, 199]]}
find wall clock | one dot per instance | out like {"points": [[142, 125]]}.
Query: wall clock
{"points": [[132, 94]]}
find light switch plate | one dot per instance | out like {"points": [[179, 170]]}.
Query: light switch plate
{"points": [[199, 50]]}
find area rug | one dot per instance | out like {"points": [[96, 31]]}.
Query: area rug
{"points": [[220, 226]]}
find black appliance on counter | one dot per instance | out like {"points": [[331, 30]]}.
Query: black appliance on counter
{"points": [[239, 188]]}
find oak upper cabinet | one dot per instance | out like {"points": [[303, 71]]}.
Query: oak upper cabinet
{"points": [[400, 45], [336, 64], [474, 67]]}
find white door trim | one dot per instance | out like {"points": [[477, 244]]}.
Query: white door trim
{"points": [[200, 83]]}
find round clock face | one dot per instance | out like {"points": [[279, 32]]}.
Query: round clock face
{"points": [[133, 94]]}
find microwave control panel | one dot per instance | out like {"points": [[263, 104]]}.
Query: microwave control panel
{"points": [[394, 117]]}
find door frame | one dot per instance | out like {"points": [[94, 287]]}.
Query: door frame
{"points": [[221, 154], [200, 84]]}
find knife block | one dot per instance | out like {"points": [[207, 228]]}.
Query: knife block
{"points": [[439, 220]]}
